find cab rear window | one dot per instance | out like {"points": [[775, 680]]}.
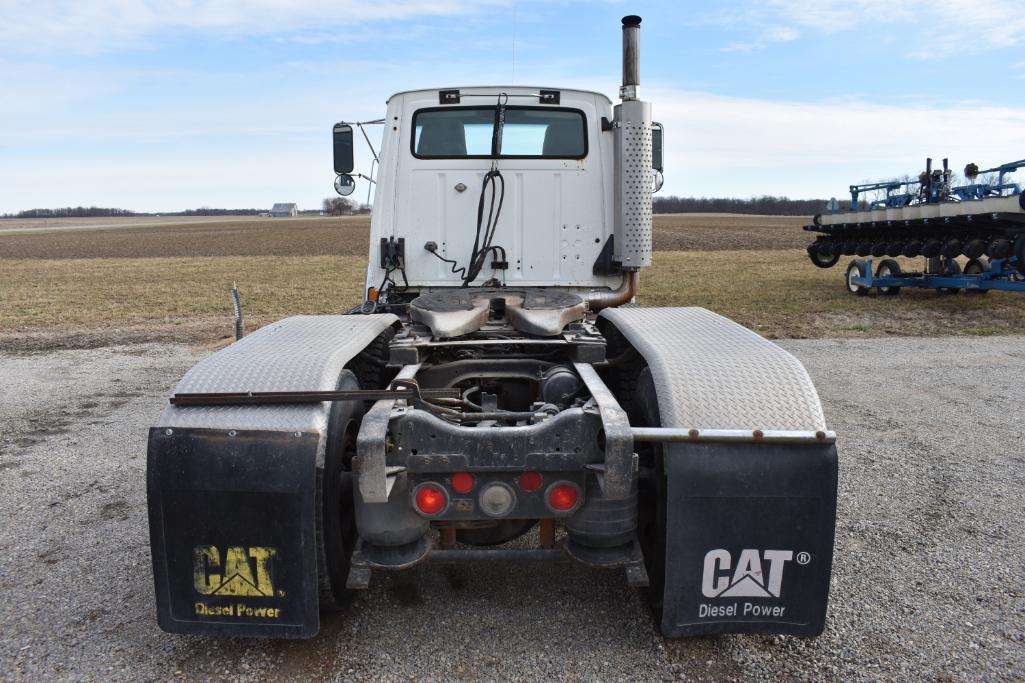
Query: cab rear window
{"points": [[529, 132]]}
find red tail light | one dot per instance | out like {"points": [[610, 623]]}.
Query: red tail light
{"points": [[563, 497], [530, 481], [430, 499], [462, 482]]}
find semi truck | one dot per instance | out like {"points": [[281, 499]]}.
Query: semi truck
{"points": [[498, 397]]}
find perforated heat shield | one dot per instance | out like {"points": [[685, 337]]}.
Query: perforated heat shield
{"points": [[633, 184]]}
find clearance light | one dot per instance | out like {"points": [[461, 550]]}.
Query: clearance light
{"points": [[430, 499], [530, 481], [462, 482], [562, 497]]}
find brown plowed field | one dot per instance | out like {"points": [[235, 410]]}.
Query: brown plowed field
{"points": [[346, 236], [70, 286]]}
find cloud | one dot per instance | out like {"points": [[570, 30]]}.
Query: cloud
{"points": [[928, 28], [734, 146], [109, 25], [715, 146], [768, 36], [971, 26]]}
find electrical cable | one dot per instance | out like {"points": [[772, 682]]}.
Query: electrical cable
{"points": [[456, 269], [482, 242]]}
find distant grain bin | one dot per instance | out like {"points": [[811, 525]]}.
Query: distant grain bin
{"points": [[281, 210]]}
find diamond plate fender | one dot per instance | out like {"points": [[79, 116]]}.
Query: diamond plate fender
{"points": [[711, 373], [301, 353]]}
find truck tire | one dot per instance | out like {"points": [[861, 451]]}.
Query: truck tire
{"points": [[336, 519], [651, 493], [625, 365]]}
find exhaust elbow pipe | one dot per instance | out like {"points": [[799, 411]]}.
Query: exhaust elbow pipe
{"points": [[615, 297]]}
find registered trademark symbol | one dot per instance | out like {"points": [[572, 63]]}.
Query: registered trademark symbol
{"points": [[803, 558]]}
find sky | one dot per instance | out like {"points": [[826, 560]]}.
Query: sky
{"points": [[164, 106]]}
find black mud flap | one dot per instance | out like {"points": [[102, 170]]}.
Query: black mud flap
{"points": [[749, 547], [233, 531]]}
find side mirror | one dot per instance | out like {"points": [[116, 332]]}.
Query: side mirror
{"points": [[342, 135], [344, 184], [656, 147]]}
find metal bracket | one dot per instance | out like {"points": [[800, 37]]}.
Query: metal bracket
{"points": [[620, 459], [375, 479], [393, 252]]}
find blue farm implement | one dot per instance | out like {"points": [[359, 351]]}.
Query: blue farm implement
{"points": [[982, 220], [946, 275]]}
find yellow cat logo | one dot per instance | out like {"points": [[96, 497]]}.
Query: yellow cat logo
{"points": [[244, 572]]}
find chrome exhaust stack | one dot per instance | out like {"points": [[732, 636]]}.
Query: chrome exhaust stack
{"points": [[632, 158], [631, 57]]}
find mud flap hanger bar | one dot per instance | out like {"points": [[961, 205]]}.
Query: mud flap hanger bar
{"points": [[251, 398], [685, 435]]}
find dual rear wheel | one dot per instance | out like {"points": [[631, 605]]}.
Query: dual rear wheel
{"points": [[652, 490], [336, 525]]}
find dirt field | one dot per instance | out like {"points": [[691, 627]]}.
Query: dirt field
{"points": [[17, 225], [85, 288], [346, 236]]}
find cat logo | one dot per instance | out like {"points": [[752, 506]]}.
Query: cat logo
{"points": [[748, 580], [245, 571]]}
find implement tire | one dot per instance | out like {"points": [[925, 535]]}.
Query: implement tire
{"points": [[859, 268], [336, 519], [977, 266], [888, 268], [1019, 248], [822, 259], [952, 269]]}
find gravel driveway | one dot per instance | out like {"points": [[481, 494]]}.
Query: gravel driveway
{"points": [[928, 582]]}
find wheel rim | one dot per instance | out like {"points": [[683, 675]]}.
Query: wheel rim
{"points": [[851, 287], [884, 271]]}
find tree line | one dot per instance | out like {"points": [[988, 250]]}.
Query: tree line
{"points": [[104, 212], [766, 205], [340, 206], [72, 212]]}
